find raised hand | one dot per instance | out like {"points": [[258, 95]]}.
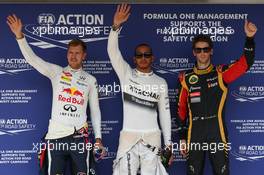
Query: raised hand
{"points": [[15, 25], [121, 15], [250, 29]]}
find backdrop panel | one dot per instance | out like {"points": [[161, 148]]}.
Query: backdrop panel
{"points": [[25, 95]]}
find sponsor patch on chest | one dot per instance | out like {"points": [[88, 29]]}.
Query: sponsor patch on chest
{"points": [[211, 85], [195, 94], [195, 99], [211, 79]]}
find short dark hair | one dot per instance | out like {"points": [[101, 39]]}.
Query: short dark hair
{"points": [[202, 38], [143, 45], [78, 42]]}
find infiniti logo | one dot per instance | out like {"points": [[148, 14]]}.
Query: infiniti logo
{"points": [[82, 78], [70, 108]]}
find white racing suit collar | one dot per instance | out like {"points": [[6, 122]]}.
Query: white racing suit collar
{"points": [[68, 68], [139, 73]]}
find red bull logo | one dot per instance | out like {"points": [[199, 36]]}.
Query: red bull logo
{"points": [[73, 92], [71, 100], [67, 90], [78, 93]]}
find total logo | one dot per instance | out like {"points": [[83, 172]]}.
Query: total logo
{"points": [[67, 76], [249, 93]]}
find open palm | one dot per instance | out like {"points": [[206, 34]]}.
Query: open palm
{"points": [[121, 15], [15, 25]]}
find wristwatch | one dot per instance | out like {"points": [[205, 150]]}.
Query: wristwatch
{"points": [[115, 27]]}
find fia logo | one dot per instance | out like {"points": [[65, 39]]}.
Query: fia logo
{"points": [[243, 88], [46, 19], [163, 60]]}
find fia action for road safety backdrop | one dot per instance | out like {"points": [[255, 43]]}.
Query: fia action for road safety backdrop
{"points": [[25, 95]]}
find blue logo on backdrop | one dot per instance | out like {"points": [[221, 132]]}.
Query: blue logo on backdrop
{"points": [[172, 65], [249, 153], [249, 93], [50, 26], [15, 126], [12, 66]]}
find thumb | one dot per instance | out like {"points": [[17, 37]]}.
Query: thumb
{"points": [[246, 24]]}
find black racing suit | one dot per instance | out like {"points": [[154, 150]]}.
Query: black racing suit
{"points": [[201, 98]]}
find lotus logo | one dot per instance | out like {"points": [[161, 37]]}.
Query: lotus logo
{"points": [[70, 108], [46, 19], [193, 79]]}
